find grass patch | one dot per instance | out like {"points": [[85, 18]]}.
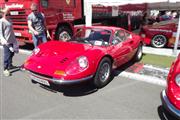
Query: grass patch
{"points": [[157, 60]]}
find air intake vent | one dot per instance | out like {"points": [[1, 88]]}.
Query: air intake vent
{"points": [[64, 60]]}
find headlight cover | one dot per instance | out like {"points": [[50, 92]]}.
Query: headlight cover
{"points": [[177, 79], [83, 62], [79, 65]]}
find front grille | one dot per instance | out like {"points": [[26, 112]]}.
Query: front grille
{"points": [[39, 74], [20, 26], [19, 19]]}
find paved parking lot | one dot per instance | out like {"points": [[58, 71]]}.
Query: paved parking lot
{"points": [[122, 98]]}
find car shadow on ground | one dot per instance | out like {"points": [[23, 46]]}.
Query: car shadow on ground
{"points": [[124, 67], [27, 46], [164, 115], [75, 90]]}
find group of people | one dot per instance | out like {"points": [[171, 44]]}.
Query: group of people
{"points": [[37, 27], [158, 16]]}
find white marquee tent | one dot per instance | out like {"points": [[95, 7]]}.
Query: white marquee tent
{"points": [[89, 3]]}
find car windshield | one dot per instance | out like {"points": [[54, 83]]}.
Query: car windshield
{"points": [[98, 37]]}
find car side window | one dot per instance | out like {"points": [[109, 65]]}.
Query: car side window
{"points": [[127, 35], [122, 35], [119, 36]]}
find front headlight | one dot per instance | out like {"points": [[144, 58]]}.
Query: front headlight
{"points": [[83, 62], [177, 79], [79, 65]]}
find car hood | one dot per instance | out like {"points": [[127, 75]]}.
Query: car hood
{"points": [[62, 49], [56, 55]]}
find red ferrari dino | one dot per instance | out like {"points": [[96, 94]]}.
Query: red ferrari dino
{"points": [[91, 54], [171, 96]]}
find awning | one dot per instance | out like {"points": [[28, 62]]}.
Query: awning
{"points": [[89, 3]]}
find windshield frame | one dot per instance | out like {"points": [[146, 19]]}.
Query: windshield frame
{"points": [[85, 38]]}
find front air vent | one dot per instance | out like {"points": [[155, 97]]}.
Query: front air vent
{"points": [[64, 60]]}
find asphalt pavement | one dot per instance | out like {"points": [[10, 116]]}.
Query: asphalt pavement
{"points": [[123, 98]]}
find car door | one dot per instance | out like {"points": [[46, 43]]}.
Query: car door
{"points": [[121, 48], [132, 42]]}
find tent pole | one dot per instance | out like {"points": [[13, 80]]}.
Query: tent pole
{"points": [[177, 38], [88, 17]]}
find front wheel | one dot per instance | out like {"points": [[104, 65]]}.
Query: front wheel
{"points": [[103, 73], [159, 41]]}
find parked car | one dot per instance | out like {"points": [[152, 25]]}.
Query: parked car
{"points": [[90, 55], [160, 34], [170, 97]]}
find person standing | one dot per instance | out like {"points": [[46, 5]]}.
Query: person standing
{"points": [[37, 25], [8, 40]]}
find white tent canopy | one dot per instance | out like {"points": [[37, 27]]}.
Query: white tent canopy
{"points": [[123, 2], [89, 3]]}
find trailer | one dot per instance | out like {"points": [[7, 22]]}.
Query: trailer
{"points": [[63, 16]]}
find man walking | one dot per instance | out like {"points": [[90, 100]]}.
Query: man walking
{"points": [[37, 25]]}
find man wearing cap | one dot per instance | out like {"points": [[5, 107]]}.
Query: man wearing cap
{"points": [[37, 25], [8, 41]]}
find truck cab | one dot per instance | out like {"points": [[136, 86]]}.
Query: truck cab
{"points": [[59, 15]]}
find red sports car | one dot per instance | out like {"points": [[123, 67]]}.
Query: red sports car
{"points": [[171, 96], [91, 54], [161, 34]]}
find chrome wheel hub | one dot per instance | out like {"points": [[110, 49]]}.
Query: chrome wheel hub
{"points": [[104, 72], [64, 36]]}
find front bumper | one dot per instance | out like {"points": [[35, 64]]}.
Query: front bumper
{"points": [[168, 106], [46, 80]]}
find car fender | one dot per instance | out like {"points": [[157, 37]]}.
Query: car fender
{"points": [[95, 57]]}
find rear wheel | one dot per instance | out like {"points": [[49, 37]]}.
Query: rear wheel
{"points": [[103, 73], [159, 41], [63, 33]]}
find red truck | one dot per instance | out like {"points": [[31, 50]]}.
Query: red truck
{"points": [[61, 16]]}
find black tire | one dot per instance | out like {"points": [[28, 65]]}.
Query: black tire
{"points": [[139, 53], [168, 115], [159, 41], [103, 73], [63, 33]]}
